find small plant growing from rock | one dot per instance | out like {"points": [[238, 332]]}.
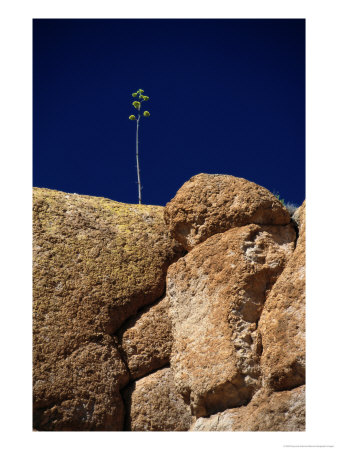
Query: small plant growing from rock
{"points": [[137, 105], [291, 207], [280, 199]]}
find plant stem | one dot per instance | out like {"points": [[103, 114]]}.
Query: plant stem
{"points": [[137, 163]]}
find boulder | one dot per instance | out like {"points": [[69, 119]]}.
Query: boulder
{"points": [[282, 323], [95, 263], [146, 339], [216, 294], [153, 404], [277, 411], [210, 204]]}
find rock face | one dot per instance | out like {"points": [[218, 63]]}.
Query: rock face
{"points": [[210, 204], [282, 324], [146, 339], [154, 404], [131, 332], [96, 262], [216, 293], [279, 411]]}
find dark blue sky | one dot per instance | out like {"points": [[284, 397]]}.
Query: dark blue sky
{"points": [[226, 96]]}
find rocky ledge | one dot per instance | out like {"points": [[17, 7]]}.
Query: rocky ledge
{"points": [[184, 318]]}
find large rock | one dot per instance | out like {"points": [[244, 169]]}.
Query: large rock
{"points": [[216, 294], [153, 404], [282, 324], [96, 262], [146, 339], [210, 204], [280, 411]]}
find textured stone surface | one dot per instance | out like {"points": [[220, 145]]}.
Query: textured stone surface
{"points": [[210, 204], [146, 339], [231, 324], [154, 405], [216, 295], [96, 262], [282, 324], [280, 411], [79, 389]]}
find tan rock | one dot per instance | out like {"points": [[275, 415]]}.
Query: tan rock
{"points": [[280, 411], [216, 295], [282, 324], [299, 215], [146, 339], [96, 262], [79, 390], [210, 204], [111, 256], [154, 405]]}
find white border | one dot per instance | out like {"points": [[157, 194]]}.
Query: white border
{"points": [[16, 138]]}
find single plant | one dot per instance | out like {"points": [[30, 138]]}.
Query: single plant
{"points": [[137, 105], [280, 199]]}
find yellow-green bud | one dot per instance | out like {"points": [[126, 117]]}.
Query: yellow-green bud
{"points": [[141, 91], [137, 105], [132, 117], [146, 113], [134, 94], [145, 98]]}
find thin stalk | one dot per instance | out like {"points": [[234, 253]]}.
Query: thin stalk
{"points": [[137, 163]]}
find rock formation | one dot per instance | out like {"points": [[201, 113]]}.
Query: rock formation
{"points": [[131, 332], [280, 411], [217, 293], [210, 204], [146, 339], [153, 404], [282, 323], [96, 262]]}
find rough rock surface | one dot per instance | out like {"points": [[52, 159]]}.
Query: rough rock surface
{"points": [[216, 295], [78, 390], [282, 324], [146, 339], [222, 349], [280, 411], [209, 204], [96, 262], [154, 405]]}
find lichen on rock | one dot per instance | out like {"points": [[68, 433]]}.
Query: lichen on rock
{"points": [[95, 263]]}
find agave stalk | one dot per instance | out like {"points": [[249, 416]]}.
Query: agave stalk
{"points": [[137, 163], [137, 106]]}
